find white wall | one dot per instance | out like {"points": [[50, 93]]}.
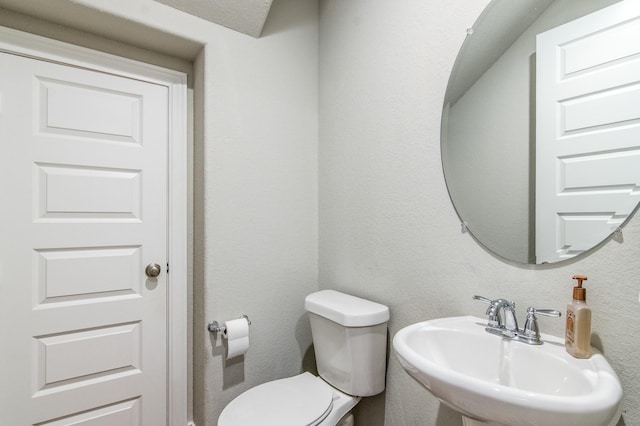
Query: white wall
{"points": [[255, 172], [259, 206], [388, 230]]}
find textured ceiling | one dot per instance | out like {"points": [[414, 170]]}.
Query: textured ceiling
{"points": [[245, 16]]}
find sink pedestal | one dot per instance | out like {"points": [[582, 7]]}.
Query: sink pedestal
{"points": [[467, 421]]}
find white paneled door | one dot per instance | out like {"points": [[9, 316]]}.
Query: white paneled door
{"points": [[83, 178], [588, 130]]}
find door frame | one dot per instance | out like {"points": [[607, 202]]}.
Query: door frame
{"points": [[41, 48]]}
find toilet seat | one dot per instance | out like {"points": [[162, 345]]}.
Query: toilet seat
{"points": [[300, 400]]}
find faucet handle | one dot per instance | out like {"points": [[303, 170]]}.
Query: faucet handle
{"points": [[495, 321], [482, 299], [494, 318], [546, 312], [531, 331]]}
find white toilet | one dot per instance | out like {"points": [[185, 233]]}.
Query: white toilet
{"points": [[350, 342]]}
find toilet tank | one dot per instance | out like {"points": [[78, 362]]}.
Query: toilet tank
{"points": [[350, 341]]}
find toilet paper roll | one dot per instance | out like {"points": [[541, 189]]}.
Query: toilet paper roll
{"points": [[237, 334]]}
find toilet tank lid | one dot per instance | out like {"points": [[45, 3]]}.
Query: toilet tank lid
{"points": [[347, 310]]}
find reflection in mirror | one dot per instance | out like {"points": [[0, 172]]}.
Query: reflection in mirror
{"points": [[541, 135]]}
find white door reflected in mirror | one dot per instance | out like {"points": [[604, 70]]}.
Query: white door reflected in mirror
{"points": [[587, 131]]}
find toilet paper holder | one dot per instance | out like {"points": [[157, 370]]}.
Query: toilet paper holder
{"points": [[215, 327]]}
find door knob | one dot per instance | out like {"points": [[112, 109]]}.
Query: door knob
{"points": [[153, 270]]}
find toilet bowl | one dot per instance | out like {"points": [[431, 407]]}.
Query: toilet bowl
{"points": [[350, 341]]}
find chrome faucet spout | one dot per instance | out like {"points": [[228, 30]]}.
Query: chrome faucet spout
{"points": [[505, 310], [502, 315]]}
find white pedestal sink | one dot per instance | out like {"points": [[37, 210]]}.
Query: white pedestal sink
{"points": [[497, 381]]}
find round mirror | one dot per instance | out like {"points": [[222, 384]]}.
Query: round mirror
{"points": [[541, 126]]}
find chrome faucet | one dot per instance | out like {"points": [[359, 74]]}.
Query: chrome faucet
{"points": [[504, 312], [503, 322]]}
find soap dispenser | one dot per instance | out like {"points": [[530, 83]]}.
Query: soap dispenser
{"points": [[578, 332]]}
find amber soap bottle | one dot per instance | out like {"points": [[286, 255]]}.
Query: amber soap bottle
{"points": [[578, 333]]}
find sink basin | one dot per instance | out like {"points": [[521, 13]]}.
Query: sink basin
{"points": [[493, 380]]}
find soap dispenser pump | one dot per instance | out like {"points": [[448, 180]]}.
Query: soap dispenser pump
{"points": [[578, 332]]}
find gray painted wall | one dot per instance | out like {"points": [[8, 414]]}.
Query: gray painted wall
{"points": [[388, 230]]}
